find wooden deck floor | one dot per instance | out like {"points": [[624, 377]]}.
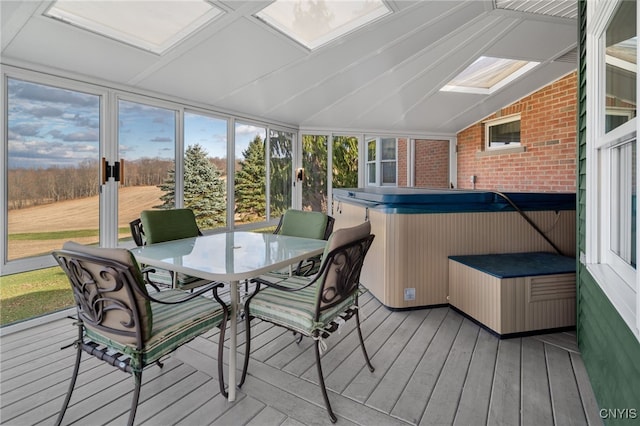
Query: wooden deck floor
{"points": [[433, 367]]}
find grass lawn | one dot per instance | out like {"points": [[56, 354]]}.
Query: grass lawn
{"points": [[34, 293], [31, 294]]}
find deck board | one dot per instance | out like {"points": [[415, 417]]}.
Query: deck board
{"points": [[433, 366], [536, 402], [476, 394], [442, 406], [415, 397], [390, 388], [504, 408]]}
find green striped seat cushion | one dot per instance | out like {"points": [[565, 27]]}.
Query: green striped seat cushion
{"points": [[173, 325], [294, 310]]}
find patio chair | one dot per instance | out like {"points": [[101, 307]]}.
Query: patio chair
{"points": [[306, 224], [121, 324], [156, 226], [315, 306]]}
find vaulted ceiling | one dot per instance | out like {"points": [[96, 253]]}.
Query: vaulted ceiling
{"points": [[386, 76]]}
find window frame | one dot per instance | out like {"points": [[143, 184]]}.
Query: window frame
{"points": [[110, 95], [378, 161], [497, 122], [618, 280]]}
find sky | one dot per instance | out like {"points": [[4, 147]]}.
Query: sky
{"points": [[50, 126]]}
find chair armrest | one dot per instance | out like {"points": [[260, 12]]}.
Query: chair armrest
{"points": [[145, 273], [260, 281], [189, 296]]}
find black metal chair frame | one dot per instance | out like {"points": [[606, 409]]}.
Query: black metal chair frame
{"points": [[137, 233], [346, 263], [92, 304], [307, 267]]}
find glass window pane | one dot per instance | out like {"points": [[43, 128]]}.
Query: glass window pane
{"points": [[488, 74], [205, 169], [623, 208], [281, 171], [621, 62], [314, 23], [345, 162], [250, 174], [371, 173], [504, 134], [388, 149], [314, 161], [388, 173], [53, 168], [371, 150], [146, 141]]}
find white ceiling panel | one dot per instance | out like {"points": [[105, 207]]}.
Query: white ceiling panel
{"points": [[51, 43], [380, 40], [534, 41], [233, 57], [384, 76]]}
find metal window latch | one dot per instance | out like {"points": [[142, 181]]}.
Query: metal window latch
{"points": [[115, 170]]}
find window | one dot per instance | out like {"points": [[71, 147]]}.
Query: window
{"points": [[280, 171], [205, 169], [147, 144], [141, 24], [487, 75], [344, 162], [381, 161], [503, 133], [250, 174], [315, 23], [315, 187], [612, 160], [52, 175]]}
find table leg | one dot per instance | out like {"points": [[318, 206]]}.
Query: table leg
{"points": [[233, 340]]}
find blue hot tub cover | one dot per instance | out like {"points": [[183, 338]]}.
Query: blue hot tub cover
{"points": [[428, 200], [512, 265]]}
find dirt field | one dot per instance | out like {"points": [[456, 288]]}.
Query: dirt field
{"points": [[74, 215]]}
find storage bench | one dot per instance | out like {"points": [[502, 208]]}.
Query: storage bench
{"points": [[515, 293]]}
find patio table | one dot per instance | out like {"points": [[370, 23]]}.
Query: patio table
{"points": [[229, 257]]}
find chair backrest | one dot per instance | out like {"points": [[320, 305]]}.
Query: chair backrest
{"points": [[329, 229], [306, 224], [342, 263], [168, 225], [137, 232], [109, 291]]}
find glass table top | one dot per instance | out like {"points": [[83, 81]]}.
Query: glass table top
{"points": [[229, 256]]}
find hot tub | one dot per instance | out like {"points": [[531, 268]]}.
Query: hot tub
{"points": [[417, 229]]}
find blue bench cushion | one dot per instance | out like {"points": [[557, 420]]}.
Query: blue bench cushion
{"points": [[512, 265]]}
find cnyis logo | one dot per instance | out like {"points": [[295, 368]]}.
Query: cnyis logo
{"points": [[619, 413]]}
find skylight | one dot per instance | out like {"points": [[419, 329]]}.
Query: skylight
{"points": [[153, 26], [314, 23], [487, 74]]}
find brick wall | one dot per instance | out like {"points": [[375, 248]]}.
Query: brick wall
{"points": [[548, 134], [432, 163]]}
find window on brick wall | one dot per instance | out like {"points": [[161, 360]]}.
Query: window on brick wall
{"points": [[502, 133], [612, 160], [382, 163]]}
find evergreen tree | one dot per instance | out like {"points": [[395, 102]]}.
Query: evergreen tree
{"points": [[204, 189], [250, 182], [314, 161], [281, 172], [345, 162]]}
